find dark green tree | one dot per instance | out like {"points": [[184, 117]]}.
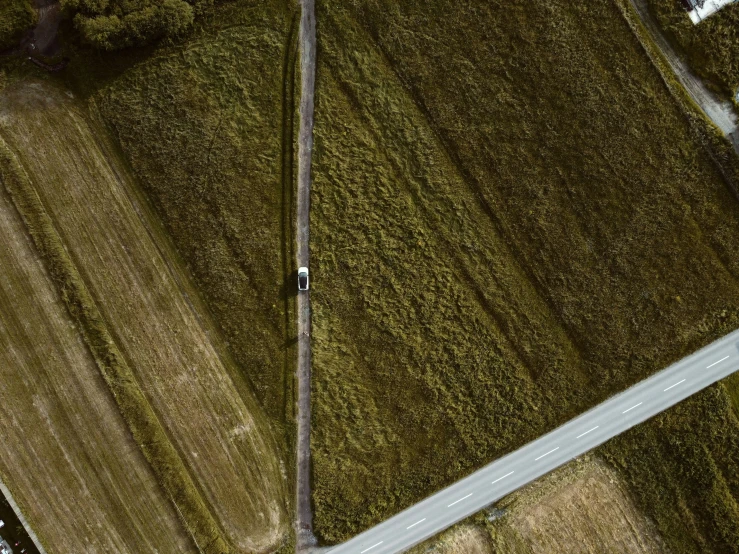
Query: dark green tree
{"points": [[116, 24], [15, 17]]}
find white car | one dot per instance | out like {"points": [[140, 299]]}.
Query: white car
{"points": [[303, 278]]}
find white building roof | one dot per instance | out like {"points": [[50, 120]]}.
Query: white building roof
{"points": [[699, 13]]}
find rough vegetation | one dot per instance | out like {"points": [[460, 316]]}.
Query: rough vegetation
{"points": [[16, 16], [116, 24], [683, 469], [732, 387], [152, 315], [64, 441], [219, 110], [511, 220], [712, 47]]}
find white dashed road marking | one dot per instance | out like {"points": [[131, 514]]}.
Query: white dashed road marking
{"points": [[371, 547], [714, 363], [421, 521], [671, 386], [588, 431], [635, 406], [460, 500], [499, 478], [547, 454]]}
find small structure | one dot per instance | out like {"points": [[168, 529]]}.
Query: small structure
{"points": [[698, 10], [303, 278]]}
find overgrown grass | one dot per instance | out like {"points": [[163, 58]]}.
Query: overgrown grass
{"points": [[732, 388], [512, 220], [712, 47], [134, 407], [16, 16], [683, 470], [206, 126]]}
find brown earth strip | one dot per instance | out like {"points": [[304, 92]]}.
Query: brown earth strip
{"points": [[203, 402], [68, 457]]}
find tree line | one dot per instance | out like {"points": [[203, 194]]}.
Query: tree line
{"points": [[116, 24]]}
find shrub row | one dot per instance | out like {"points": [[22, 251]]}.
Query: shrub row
{"points": [[15, 17], [116, 24]]}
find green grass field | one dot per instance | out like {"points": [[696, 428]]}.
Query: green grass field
{"points": [[711, 47], [511, 220], [218, 106], [206, 126], [188, 406]]}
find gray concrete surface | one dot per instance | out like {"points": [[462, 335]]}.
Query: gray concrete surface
{"points": [[494, 481], [304, 516]]}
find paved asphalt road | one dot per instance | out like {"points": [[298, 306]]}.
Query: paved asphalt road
{"points": [[492, 482]]}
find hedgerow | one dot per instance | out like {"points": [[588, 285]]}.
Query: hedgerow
{"points": [[116, 24], [16, 16]]}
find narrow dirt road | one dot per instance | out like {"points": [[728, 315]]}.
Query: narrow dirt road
{"points": [[305, 538], [719, 111]]}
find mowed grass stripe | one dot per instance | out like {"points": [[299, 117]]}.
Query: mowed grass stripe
{"points": [[134, 407], [201, 400], [219, 108], [80, 444]]}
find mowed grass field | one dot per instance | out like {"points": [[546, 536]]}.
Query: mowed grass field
{"points": [[511, 221], [69, 459], [207, 126], [711, 47], [224, 464], [583, 507]]}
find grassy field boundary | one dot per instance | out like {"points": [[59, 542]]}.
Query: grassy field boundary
{"points": [[714, 144], [701, 127], [289, 182], [19, 514], [141, 419]]}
